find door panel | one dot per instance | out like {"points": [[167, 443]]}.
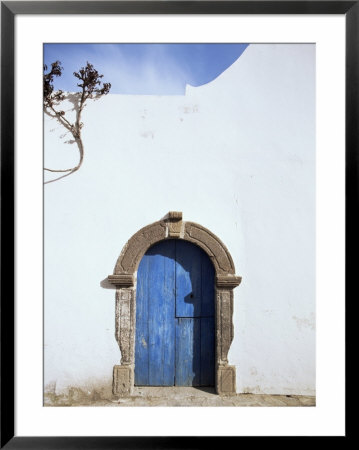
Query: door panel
{"points": [[155, 310], [188, 280], [207, 278], [207, 351], [188, 358]]}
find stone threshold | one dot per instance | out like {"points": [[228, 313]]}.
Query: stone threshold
{"points": [[184, 396]]}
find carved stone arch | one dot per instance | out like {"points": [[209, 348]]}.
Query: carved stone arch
{"points": [[124, 278]]}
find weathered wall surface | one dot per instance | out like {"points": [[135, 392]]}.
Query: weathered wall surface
{"points": [[236, 156]]}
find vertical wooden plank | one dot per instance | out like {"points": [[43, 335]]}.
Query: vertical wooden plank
{"points": [[168, 317], [188, 358], [161, 314], [188, 280], [207, 279], [207, 351], [141, 342]]}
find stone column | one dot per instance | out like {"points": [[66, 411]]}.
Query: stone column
{"points": [[123, 375], [225, 374]]}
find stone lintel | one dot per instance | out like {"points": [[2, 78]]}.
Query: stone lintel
{"points": [[123, 280], [123, 380], [227, 281]]}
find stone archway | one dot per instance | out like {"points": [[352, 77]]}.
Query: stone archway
{"points": [[124, 278]]}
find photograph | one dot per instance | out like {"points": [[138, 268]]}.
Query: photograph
{"points": [[179, 224], [179, 188]]}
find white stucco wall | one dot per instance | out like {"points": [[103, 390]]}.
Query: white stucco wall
{"points": [[236, 156]]}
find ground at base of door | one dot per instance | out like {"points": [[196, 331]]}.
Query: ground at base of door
{"points": [[182, 396]]}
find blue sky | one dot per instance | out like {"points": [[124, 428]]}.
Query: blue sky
{"points": [[161, 69]]}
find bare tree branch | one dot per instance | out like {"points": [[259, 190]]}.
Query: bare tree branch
{"points": [[90, 88]]}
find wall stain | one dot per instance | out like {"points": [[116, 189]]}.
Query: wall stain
{"points": [[251, 389], [92, 393], [189, 109], [304, 322], [147, 134]]}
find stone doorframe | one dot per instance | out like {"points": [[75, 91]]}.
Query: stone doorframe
{"points": [[124, 278]]}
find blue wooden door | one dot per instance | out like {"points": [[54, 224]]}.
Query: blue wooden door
{"points": [[175, 316]]}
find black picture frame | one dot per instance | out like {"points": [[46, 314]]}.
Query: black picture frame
{"points": [[9, 9]]}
